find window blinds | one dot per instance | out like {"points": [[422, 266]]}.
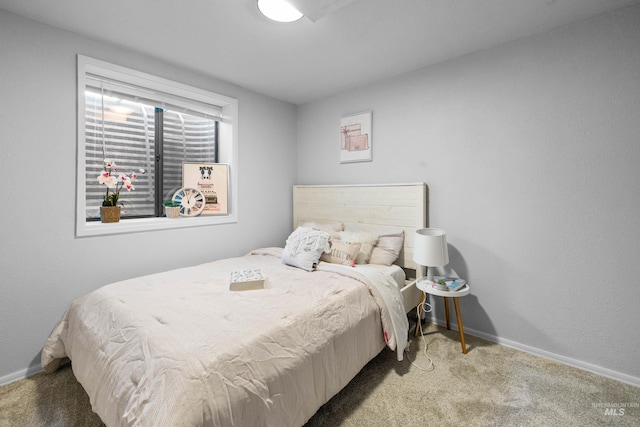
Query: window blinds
{"points": [[120, 125], [133, 93]]}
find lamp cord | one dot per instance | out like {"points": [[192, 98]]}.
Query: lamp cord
{"points": [[426, 308]]}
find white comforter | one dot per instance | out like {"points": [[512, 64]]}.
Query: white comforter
{"points": [[178, 348]]}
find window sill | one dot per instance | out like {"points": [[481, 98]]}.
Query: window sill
{"points": [[97, 228]]}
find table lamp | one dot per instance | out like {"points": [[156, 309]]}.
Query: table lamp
{"points": [[430, 250]]}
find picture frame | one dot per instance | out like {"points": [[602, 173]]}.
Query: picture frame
{"points": [[356, 138], [212, 179]]}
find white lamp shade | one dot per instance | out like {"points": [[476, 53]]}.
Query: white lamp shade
{"points": [[430, 247]]}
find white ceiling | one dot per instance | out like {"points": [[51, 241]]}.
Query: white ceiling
{"points": [[357, 43]]}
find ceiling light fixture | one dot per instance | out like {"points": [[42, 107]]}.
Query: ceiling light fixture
{"points": [[279, 10]]}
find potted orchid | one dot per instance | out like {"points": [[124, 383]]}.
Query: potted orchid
{"points": [[115, 182]]}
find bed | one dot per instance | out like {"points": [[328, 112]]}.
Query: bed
{"points": [[179, 348]]}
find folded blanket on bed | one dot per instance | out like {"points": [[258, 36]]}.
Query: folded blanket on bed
{"points": [[387, 295]]}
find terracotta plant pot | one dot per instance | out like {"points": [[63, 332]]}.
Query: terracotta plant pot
{"points": [[110, 213]]}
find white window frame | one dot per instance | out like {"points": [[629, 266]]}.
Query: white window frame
{"points": [[227, 149]]}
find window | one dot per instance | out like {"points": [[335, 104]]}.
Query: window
{"points": [[138, 133], [141, 121]]}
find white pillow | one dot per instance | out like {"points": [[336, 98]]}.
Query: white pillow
{"points": [[367, 240], [304, 247]]}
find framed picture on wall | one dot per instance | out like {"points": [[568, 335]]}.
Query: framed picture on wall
{"points": [[355, 138], [212, 179]]}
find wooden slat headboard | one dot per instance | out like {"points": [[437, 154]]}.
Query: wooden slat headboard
{"points": [[367, 207]]}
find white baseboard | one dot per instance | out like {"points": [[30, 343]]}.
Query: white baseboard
{"points": [[599, 370], [20, 375]]}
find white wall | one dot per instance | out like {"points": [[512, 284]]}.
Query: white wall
{"points": [[530, 151], [531, 154], [43, 267]]}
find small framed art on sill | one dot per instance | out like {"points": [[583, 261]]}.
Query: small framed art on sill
{"points": [[212, 180], [355, 138]]}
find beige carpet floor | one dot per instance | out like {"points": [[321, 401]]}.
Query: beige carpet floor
{"points": [[492, 385]]}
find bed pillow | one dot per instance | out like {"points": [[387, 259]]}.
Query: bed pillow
{"points": [[388, 249], [304, 247], [367, 240], [342, 253]]}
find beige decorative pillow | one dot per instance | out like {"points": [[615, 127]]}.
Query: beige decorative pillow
{"points": [[366, 238], [342, 253], [388, 249]]}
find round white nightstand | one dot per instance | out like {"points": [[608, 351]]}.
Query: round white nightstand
{"points": [[428, 289]]}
